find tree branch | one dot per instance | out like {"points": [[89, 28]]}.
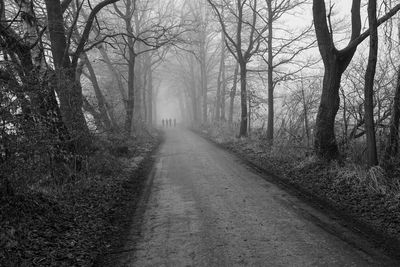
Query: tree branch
{"points": [[88, 27], [356, 41]]}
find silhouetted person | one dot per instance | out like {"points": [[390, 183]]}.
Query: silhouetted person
{"points": [[174, 122], [170, 122], [163, 123]]}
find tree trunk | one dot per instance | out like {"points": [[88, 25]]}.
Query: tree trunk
{"points": [[325, 140], [69, 91], [203, 70], [110, 66], [96, 115], [204, 88], [270, 124], [249, 113], [243, 100], [131, 95], [144, 90], [369, 85], [392, 148], [31, 33], [335, 63], [139, 109], [195, 99], [345, 120], [217, 115], [42, 97], [221, 84], [223, 88], [139, 91], [150, 96], [232, 95], [154, 105], [130, 103], [101, 101], [117, 77], [305, 109]]}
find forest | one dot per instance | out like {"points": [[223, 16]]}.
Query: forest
{"points": [[307, 89]]}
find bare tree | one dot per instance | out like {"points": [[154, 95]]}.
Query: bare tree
{"points": [[70, 93], [198, 45], [369, 84], [221, 84], [144, 33], [335, 63], [247, 19], [281, 52]]}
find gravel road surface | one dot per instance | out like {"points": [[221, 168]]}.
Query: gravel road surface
{"points": [[207, 208]]}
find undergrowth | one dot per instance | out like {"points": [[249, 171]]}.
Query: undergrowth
{"points": [[61, 217]]}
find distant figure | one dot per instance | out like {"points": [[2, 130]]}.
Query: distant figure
{"points": [[163, 123], [174, 122], [170, 122]]}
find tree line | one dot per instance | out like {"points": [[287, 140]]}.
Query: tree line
{"points": [[73, 68], [69, 69], [253, 51]]}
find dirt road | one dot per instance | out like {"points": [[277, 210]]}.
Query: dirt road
{"points": [[207, 208]]}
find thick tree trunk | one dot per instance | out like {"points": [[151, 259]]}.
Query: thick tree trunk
{"points": [[232, 95], [31, 33], [50, 106], [42, 98], [243, 99], [69, 91], [372, 155], [325, 140], [57, 34], [335, 63], [131, 95]]}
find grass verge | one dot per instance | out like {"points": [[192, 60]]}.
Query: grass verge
{"points": [[361, 196]]}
